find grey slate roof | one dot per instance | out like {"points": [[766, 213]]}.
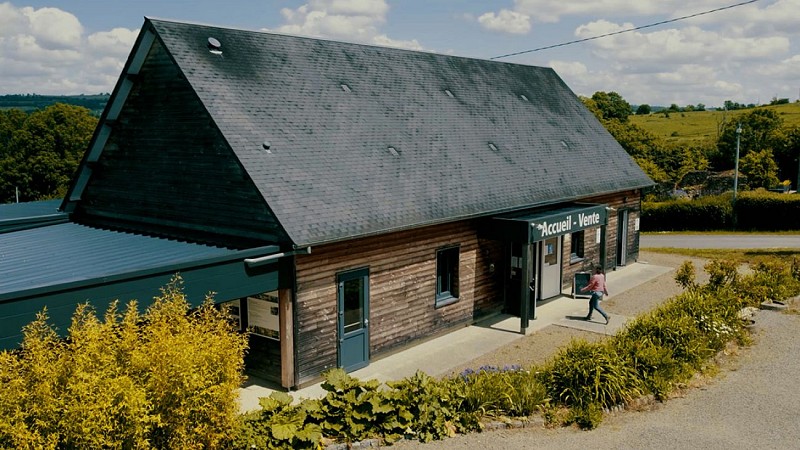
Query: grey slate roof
{"points": [[365, 139]]}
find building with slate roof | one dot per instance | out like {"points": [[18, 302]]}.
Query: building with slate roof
{"points": [[347, 200]]}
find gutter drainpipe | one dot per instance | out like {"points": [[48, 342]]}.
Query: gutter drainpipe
{"points": [[262, 260]]}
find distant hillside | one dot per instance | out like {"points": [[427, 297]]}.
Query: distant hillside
{"points": [[697, 126], [32, 102]]}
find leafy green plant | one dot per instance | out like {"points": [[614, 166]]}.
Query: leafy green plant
{"points": [[438, 407], [354, 410], [279, 425]]}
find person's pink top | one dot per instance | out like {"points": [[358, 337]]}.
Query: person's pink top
{"points": [[597, 283]]}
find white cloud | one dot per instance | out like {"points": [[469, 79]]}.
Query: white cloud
{"points": [[116, 42], [506, 21], [678, 45], [386, 41], [571, 69], [335, 18], [553, 11], [46, 51], [787, 70], [349, 20], [53, 28]]}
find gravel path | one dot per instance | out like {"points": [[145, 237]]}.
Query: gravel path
{"points": [[753, 402]]}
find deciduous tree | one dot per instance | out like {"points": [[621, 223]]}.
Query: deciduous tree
{"points": [[40, 155]]}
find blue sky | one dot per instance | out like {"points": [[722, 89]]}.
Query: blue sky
{"points": [[747, 54]]}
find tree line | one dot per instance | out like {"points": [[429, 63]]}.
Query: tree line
{"points": [[768, 148]]}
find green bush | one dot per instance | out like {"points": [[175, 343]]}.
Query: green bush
{"points": [[685, 276], [165, 379], [590, 373], [767, 211], [587, 417], [705, 213], [508, 391], [769, 281], [654, 364], [721, 273]]}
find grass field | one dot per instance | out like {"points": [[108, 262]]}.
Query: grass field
{"points": [[698, 126]]}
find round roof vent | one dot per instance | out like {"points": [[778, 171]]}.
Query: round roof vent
{"points": [[214, 46]]}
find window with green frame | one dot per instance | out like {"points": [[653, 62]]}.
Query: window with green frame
{"points": [[447, 260]]}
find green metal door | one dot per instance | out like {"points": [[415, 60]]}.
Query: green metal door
{"points": [[353, 301]]}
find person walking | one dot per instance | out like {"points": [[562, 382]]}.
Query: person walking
{"points": [[597, 286]]}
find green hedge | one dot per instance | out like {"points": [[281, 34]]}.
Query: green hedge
{"points": [[754, 211], [706, 213], [767, 211]]}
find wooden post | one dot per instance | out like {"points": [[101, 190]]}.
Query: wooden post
{"points": [[287, 337]]}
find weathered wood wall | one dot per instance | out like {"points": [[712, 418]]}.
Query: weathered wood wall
{"points": [[402, 278]]}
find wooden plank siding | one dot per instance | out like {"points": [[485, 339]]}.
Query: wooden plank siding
{"points": [[402, 278], [144, 180]]}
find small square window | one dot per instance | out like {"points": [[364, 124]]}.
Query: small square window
{"points": [[576, 246], [447, 276]]}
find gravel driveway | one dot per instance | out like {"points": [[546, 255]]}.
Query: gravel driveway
{"points": [[752, 403]]}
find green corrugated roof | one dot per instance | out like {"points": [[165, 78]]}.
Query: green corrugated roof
{"points": [[18, 216], [66, 256]]}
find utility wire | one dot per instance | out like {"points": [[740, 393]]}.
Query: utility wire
{"points": [[626, 30]]}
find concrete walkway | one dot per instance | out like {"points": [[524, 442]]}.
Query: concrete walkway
{"points": [[440, 355]]}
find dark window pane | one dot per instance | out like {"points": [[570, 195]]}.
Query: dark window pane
{"points": [[353, 307]]}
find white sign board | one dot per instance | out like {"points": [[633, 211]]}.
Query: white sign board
{"points": [[263, 315]]}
